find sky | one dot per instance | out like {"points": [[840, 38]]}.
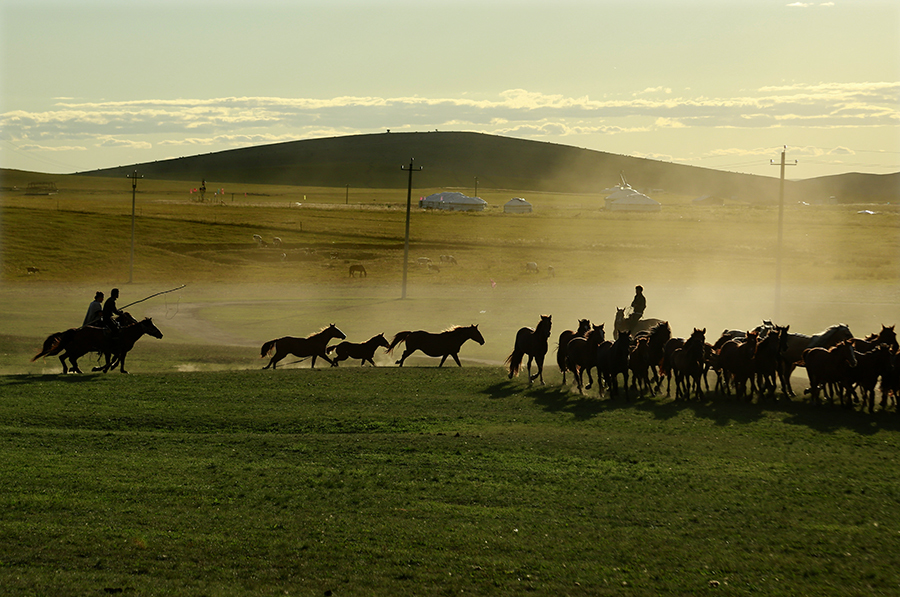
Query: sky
{"points": [[717, 84]]}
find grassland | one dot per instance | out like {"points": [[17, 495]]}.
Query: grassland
{"points": [[432, 482], [197, 475]]}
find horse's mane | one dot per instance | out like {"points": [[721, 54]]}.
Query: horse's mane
{"points": [[456, 328]]}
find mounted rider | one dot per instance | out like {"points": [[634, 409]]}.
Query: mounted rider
{"points": [[638, 306], [95, 310], [109, 310]]}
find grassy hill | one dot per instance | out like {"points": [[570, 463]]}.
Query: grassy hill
{"points": [[455, 159]]}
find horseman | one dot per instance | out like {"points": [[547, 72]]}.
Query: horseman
{"points": [[638, 306], [95, 310], [110, 309]]}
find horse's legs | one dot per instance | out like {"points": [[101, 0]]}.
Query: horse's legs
{"points": [[275, 358], [455, 358], [530, 358], [62, 359], [539, 360]]}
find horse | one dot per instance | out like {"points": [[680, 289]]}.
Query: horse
{"points": [[736, 358], [828, 366], [657, 337], [768, 361], [581, 355], [358, 269], [74, 343], [612, 359], [642, 325], [795, 344], [885, 336], [313, 346], [871, 365], [584, 326], [444, 344], [640, 364], [119, 346], [363, 351], [532, 342], [687, 364]]}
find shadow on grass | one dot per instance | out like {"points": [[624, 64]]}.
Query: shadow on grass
{"points": [[14, 380], [720, 409]]}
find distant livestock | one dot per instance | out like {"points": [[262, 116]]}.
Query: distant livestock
{"points": [[448, 259], [423, 260], [276, 241], [32, 270], [531, 267], [358, 270]]}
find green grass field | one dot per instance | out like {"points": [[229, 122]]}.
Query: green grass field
{"points": [[198, 474], [433, 481]]}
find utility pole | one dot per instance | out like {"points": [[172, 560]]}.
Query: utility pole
{"points": [[780, 233], [410, 169], [347, 196], [476, 186], [134, 177]]}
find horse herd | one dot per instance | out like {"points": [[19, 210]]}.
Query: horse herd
{"points": [[838, 365]]}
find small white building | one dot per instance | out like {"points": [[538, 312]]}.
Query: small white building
{"points": [[625, 198], [452, 201], [517, 205]]}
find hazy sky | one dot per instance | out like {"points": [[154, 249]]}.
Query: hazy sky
{"points": [[718, 84]]}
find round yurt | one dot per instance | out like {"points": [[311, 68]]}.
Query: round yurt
{"points": [[517, 205]]}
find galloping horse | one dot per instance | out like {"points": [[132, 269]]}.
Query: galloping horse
{"points": [[532, 342], [612, 359], [444, 344], [687, 364], [584, 326], [642, 325], [657, 337], [364, 351], [74, 343], [828, 366], [581, 355], [312, 346], [795, 344], [119, 346], [639, 363]]}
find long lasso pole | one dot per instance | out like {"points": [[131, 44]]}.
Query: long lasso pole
{"points": [[153, 295]]}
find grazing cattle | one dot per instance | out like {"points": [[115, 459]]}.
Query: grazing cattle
{"points": [[550, 271], [358, 270], [276, 241], [531, 267], [448, 259], [258, 239], [423, 260], [433, 268], [32, 270]]}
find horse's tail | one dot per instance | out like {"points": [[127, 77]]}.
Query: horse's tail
{"points": [[398, 338], [514, 362], [267, 348], [54, 344]]}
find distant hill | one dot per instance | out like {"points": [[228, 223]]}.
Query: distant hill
{"points": [[455, 159]]}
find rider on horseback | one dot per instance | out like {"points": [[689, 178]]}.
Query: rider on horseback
{"points": [[95, 310], [638, 306]]}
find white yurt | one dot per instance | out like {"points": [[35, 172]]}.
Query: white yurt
{"points": [[453, 201], [517, 205]]}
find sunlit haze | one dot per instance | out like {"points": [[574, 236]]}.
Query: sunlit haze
{"points": [[722, 85]]}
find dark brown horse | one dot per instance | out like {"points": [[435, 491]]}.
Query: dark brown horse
{"points": [[657, 336], [736, 359], [358, 270], [639, 363], [532, 342], [581, 355], [870, 366], [688, 363], [612, 359], [119, 347], [826, 366], [313, 346], [74, 343], [444, 344], [584, 326], [795, 344], [363, 351]]}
